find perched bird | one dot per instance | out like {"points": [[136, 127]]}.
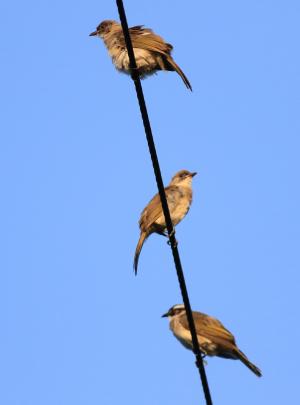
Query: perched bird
{"points": [[214, 339], [151, 52], [179, 196]]}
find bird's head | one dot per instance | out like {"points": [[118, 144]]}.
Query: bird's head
{"points": [[183, 176], [103, 28], [174, 310]]}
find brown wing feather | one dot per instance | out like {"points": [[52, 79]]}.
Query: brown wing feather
{"points": [[211, 328], [144, 38], [154, 209], [151, 213]]}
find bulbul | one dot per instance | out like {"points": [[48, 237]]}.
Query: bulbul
{"points": [[214, 339], [179, 196], [151, 52]]}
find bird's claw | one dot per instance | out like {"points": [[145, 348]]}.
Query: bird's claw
{"points": [[174, 244], [172, 234], [203, 361]]}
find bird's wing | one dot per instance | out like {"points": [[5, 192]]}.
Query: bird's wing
{"points": [[151, 212], [136, 28], [144, 38], [210, 328]]}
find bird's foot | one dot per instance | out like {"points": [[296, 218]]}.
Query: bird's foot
{"points": [[172, 234], [163, 233], [197, 362], [170, 243], [203, 354]]}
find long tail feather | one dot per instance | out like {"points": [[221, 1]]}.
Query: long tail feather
{"points": [[180, 72], [241, 356], [138, 249]]}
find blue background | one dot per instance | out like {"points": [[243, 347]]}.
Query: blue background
{"points": [[77, 326]]}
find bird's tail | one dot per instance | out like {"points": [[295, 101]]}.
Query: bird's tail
{"points": [[241, 356], [179, 71], [138, 249]]}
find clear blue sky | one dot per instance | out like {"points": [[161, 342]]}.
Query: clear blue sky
{"points": [[77, 326]]}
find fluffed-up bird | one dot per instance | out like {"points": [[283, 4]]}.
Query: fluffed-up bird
{"points": [[151, 52], [213, 338], [179, 196]]}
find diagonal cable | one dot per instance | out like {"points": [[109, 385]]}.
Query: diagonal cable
{"points": [[160, 185]]}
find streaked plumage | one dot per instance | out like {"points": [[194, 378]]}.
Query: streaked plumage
{"points": [[151, 52]]}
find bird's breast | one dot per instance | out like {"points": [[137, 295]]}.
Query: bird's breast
{"points": [[183, 334], [146, 61], [179, 201]]}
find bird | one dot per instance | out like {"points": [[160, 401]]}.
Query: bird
{"points": [[151, 52], [213, 338], [179, 197]]}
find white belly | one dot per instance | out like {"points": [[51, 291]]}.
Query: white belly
{"points": [[145, 60]]}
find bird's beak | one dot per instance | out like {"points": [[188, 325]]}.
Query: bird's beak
{"points": [[93, 34], [165, 315], [193, 174]]}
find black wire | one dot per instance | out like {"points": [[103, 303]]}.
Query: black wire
{"points": [[160, 185]]}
